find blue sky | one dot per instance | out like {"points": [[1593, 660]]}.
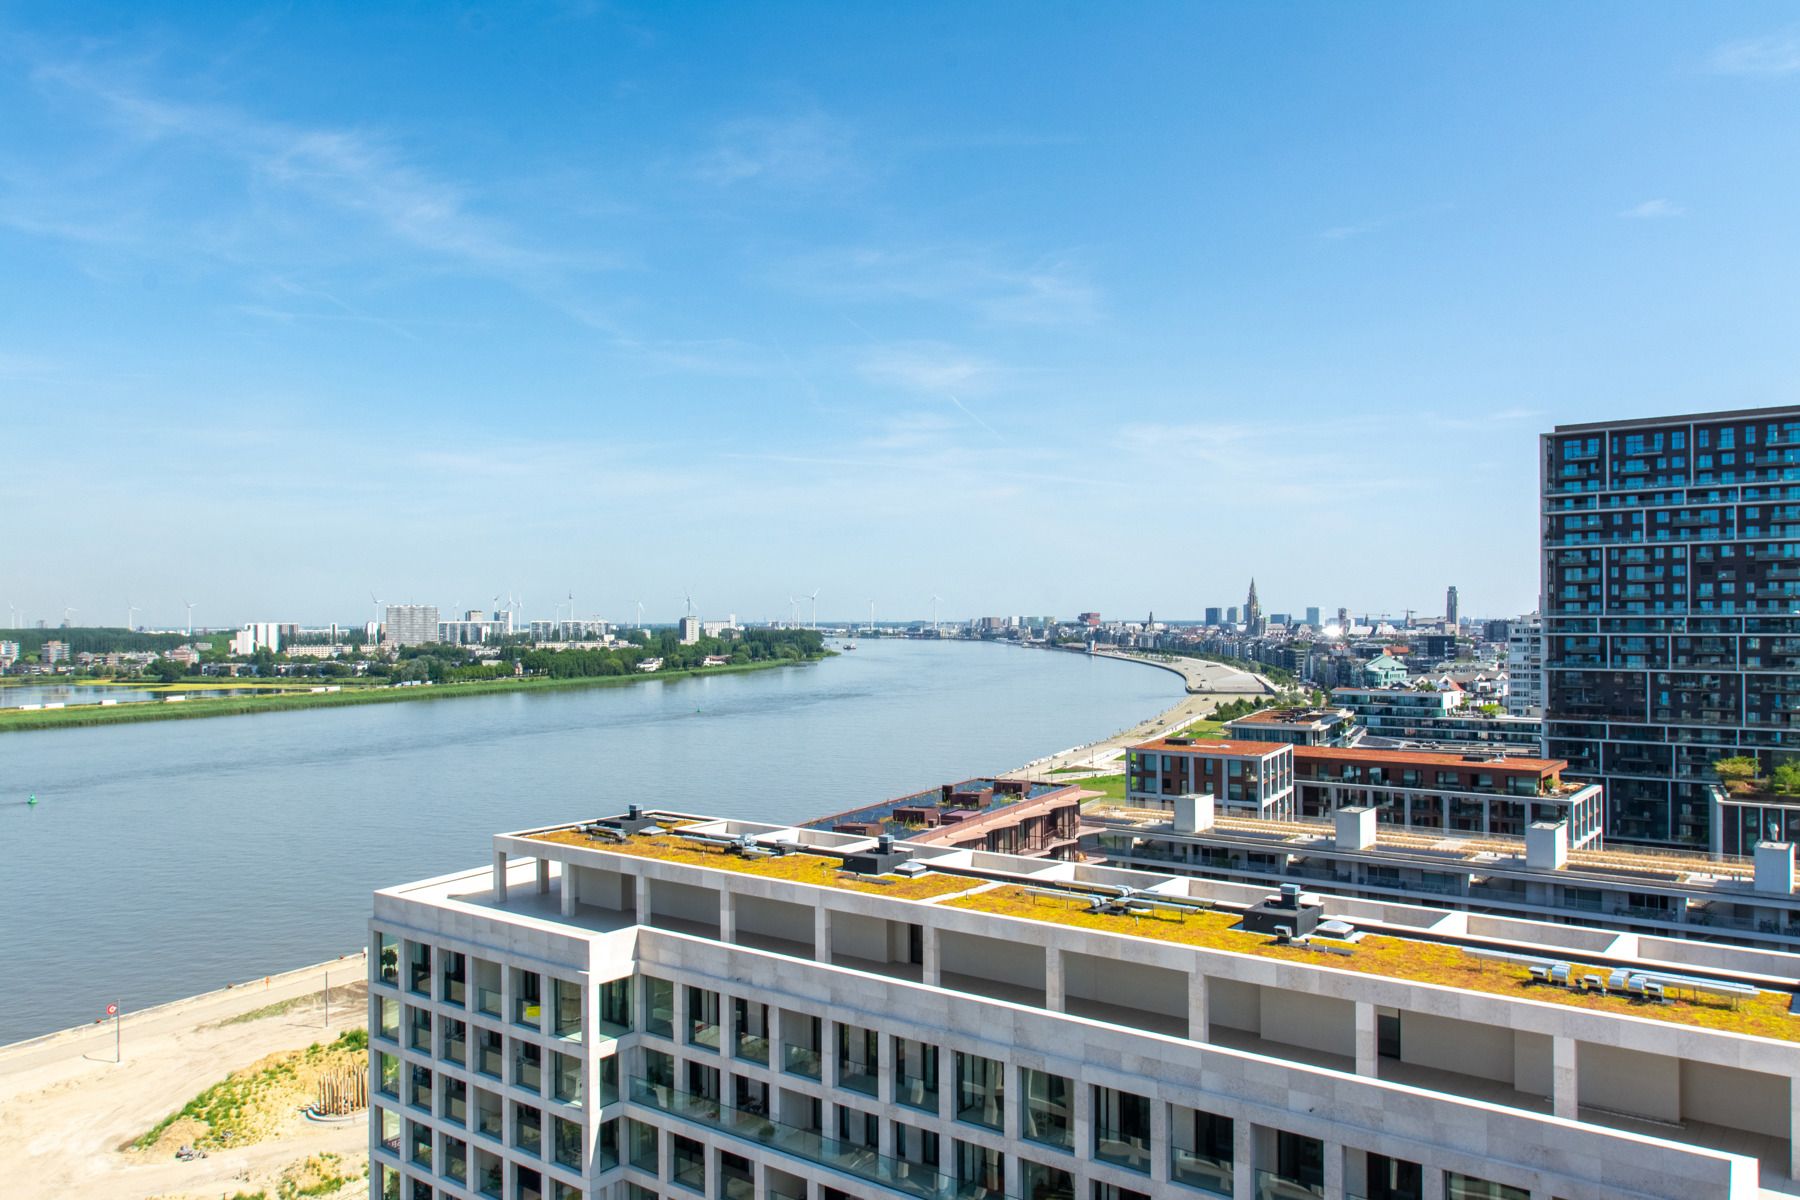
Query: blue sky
{"points": [[1036, 308]]}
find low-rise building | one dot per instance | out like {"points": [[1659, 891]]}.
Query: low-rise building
{"points": [[1256, 778], [1430, 717], [53, 652], [1384, 670], [1298, 726], [1037, 818]]}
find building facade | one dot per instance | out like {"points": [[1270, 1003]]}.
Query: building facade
{"points": [[1671, 608], [1525, 667], [411, 624], [746, 1010]]}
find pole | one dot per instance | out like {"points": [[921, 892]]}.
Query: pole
{"points": [[118, 1037], [328, 997]]}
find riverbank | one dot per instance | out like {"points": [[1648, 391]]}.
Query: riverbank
{"points": [[87, 715], [72, 1109]]}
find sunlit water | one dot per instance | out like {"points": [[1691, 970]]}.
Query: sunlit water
{"points": [[168, 858]]}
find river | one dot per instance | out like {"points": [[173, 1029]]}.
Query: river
{"points": [[171, 857]]}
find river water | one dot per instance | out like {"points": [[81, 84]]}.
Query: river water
{"points": [[168, 858]]}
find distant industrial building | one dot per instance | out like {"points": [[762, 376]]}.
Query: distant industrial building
{"points": [[411, 624]]}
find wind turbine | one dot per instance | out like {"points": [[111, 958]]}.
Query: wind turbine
{"points": [[934, 620], [131, 611], [190, 625], [688, 598], [377, 604], [67, 613], [640, 619], [571, 606], [871, 618], [815, 609], [12, 615], [793, 612]]}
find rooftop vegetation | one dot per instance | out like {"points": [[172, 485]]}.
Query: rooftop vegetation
{"points": [[1742, 777], [1765, 1015]]}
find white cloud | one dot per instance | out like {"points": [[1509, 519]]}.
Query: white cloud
{"points": [[928, 367], [805, 152], [1776, 54], [1651, 210], [1047, 290]]}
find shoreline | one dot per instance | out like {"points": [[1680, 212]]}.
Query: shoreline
{"points": [[87, 716]]}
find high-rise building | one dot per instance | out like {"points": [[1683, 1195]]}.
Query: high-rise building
{"points": [[1450, 606], [1312, 615], [411, 624], [690, 630], [1525, 666], [1231, 615], [609, 1009], [1671, 609], [1215, 615]]}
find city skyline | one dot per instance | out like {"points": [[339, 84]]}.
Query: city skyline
{"points": [[932, 320]]}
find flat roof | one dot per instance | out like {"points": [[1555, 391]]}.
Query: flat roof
{"points": [[1516, 764], [996, 795], [1230, 748], [1290, 716], [1013, 887], [1733, 414]]}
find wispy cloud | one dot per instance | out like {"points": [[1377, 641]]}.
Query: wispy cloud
{"points": [[928, 367], [804, 152], [1044, 290], [1774, 54], [1653, 210]]}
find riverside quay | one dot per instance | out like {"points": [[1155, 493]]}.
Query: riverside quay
{"points": [[660, 1004]]}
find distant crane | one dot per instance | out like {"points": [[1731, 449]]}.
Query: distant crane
{"points": [[190, 623]]}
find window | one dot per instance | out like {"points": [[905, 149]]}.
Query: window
{"points": [[566, 1073], [489, 1047], [980, 1168], [1201, 1148], [528, 1065], [456, 1041], [800, 1044], [659, 1007], [528, 999], [487, 987], [750, 1027], [858, 1128], [1300, 1160], [703, 1018], [568, 1009], [858, 1052], [568, 1143], [641, 1145], [659, 1068], [388, 1013], [980, 1090], [528, 1129], [418, 968], [1122, 1129], [609, 1079], [915, 1074], [1047, 1115], [387, 957], [390, 1130], [1467, 1187], [418, 1024], [419, 1144], [916, 1153], [454, 1102], [1040, 1182], [454, 968], [418, 1092], [606, 1146], [456, 1160], [489, 1173], [615, 1007], [689, 1163], [488, 1119]]}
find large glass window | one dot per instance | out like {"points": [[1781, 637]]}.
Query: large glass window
{"points": [[490, 1173], [568, 1143], [456, 1160], [487, 987], [1048, 1108], [388, 1015], [419, 1144], [980, 1169], [980, 1090], [1122, 1129], [528, 1065], [750, 1026], [489, 1052], [1300, 1161], [489, 1118], [455, 1041], [418, 1091], [387, 958], [615, 1007], [703, 1018], [800, 1044], [688, 1160], [387, 1071], [1201, 1146], [453, 1103], [568, 1009], [528, 1129], [659, 1007], [528, 998], [858, 1053], [418, 1025], [454, 969], [1038, 1181], [641, 1144], [915, 1074], [566, 1070], [1467, 1187], [418, 968]]}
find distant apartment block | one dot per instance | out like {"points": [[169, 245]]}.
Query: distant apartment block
{"points": [[1298, 726], [1423, 718], [53, 652], [1670, 597], [1254, 778], [688, 630], [1525, 667], [410, 624], [9, 654]]}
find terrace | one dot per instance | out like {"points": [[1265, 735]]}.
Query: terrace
{"points": [[951, 803], [1065, 894]]}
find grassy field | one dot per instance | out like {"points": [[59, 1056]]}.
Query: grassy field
{"points": [[14, 720], [1112, 785]]}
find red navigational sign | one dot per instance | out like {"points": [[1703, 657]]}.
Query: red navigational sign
{"points": [[112, 1010]]}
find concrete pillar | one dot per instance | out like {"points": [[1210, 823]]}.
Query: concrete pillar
{"points": [[727, 915], [543, 876], [1334, 1171], [884, 1088], [1243, 1160], [929, 972], [1199, 1022], [1431, 1182], [1565, 1078], [641, 890], [822, 934], [1793, 1128], [1367, 1045], [499, 877], [567, 892], [1053, 979], [1082, 1119], [1159, 1140]]}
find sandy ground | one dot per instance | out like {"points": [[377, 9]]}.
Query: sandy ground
{"points": [[1209, 685], [66, 1107]]}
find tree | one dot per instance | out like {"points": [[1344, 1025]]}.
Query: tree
{"points": [[1786, 779], [1741, 769], [167, 670]]}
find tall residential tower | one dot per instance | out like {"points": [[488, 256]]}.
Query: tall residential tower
{"points": [[1671, 608]]}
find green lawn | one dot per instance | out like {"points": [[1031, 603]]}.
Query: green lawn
{"points": [[1112, 785]]}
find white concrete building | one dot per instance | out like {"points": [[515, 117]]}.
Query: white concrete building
{"points": [[1525, 667], [610, 1011]]}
